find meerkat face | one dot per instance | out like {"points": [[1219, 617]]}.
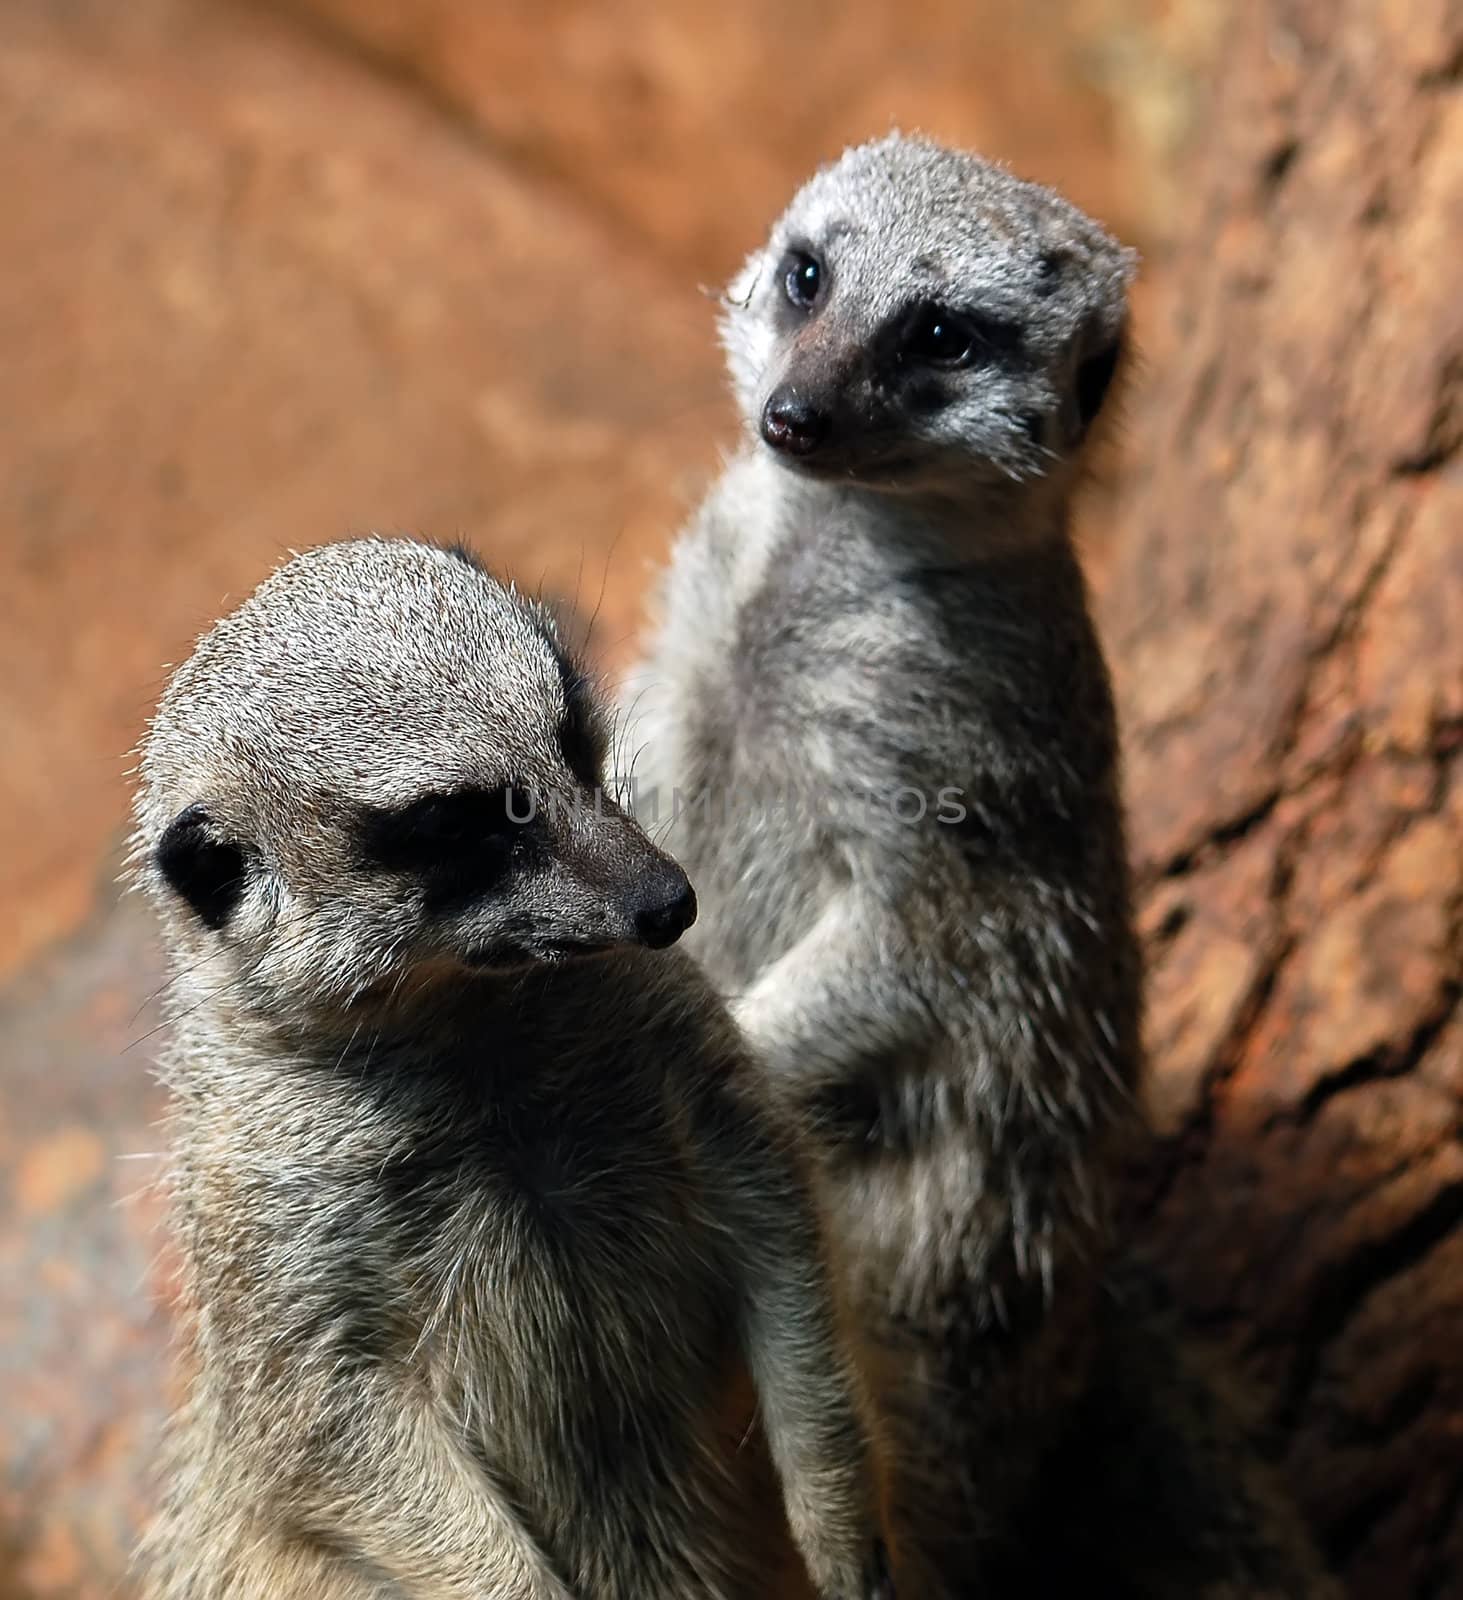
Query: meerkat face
{"points": [[920, 319], [381, 768]]}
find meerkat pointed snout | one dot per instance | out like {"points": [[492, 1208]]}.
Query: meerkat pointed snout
{"points": [[666, 910], [920, 316], [791, 423]]}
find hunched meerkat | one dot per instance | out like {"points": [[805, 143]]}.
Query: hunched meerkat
{"points": [[875, 724], [481, 1216]]}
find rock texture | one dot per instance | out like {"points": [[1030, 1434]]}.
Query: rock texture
{"points": [[83, 1282], [1284, 609], [684, 127]]}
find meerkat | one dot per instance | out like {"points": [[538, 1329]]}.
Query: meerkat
{"points": [[875, 725], [481, 1215]]}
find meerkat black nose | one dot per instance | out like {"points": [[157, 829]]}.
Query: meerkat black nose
{"points": [[791, 425], [667, 909]]}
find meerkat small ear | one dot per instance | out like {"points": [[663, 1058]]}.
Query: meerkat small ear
{"points": [[204, 868], [1094, 380], [737, 295]]}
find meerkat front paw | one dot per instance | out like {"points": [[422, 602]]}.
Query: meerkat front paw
{"points": [[872, 1582], [747, 1011], [878, 1584]]}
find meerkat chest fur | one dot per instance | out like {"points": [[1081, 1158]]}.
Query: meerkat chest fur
{"points": [[857, 692], [536, 1256], [504, 1240], [765, 690]]}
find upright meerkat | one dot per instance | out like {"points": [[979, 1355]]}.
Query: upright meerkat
{"points": [[876, 724], [481, 1217]]}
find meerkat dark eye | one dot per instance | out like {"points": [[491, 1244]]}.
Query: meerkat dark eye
{"points": [[935, 336], [802, 278], [1094, 379], [939, 338], [451, 829]]}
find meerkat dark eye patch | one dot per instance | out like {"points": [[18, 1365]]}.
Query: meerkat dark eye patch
{"points": [[1094, 379], [802, 277], [936, 336], [205, 870], [468, 832]]}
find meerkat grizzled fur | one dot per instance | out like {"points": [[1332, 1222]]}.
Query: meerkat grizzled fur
{"points": [[875, 723], [879, 694], [483, 1223]]}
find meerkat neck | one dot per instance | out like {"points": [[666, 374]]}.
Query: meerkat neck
{"points": [[447, 1024], [967, 520]]}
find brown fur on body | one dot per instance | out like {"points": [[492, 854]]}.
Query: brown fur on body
{"points": [[482, 1216], [875, 725]]}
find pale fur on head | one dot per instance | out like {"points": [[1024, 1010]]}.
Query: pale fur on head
{"points": [[903, 230], [363, 684]]}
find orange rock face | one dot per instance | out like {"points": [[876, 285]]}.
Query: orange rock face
{"points": [[1283, 605]]}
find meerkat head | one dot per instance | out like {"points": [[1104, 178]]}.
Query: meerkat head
{"points": [[920, 319], [383, 766]]}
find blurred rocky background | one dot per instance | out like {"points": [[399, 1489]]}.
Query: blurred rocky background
{"points": [[272, 273]]}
